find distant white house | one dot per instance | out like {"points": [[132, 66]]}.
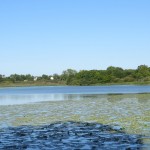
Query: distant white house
{"points": [[35, 78], [52, 78], [3, 76]]}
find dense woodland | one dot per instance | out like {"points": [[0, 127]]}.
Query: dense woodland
{"points": [[112, 75]]}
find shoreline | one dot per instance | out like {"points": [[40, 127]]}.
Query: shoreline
{"points": [[21, 84]]}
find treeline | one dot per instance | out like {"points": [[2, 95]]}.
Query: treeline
{"points": [[87, 77], [110, 75]]}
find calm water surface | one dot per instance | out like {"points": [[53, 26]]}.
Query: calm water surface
{"points": [[126, 106], [22, 95]]}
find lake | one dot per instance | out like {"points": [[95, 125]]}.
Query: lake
{"points": [[124, 106], [22, 95]]}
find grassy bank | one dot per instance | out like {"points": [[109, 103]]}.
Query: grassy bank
{"points": [[124, 83], [30, 83], [62, 83]]}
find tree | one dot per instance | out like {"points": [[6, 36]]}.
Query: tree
{"points": [[67, 73], [142, 72], [56, 77], [1, 78], [115, 71], [29, 77], [45, 77]]}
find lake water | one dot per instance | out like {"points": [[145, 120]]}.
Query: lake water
{"points": [[124, 106], [22, 95]]}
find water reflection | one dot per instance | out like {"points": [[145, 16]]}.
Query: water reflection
{"points": [[32, 98]]}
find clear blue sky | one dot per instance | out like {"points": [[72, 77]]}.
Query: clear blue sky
{"points": [[49, 36]]}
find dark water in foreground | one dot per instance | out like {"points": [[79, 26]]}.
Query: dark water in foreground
{"points": [[120, 107], [69, 135]]}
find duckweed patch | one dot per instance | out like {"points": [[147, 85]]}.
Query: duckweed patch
{"points": [[130, 111]]}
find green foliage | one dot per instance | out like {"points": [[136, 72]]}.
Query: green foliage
{"points": [[18, 78], [116, 72], [142, 72], [111, 75], [1, 78], [86, 77]]}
